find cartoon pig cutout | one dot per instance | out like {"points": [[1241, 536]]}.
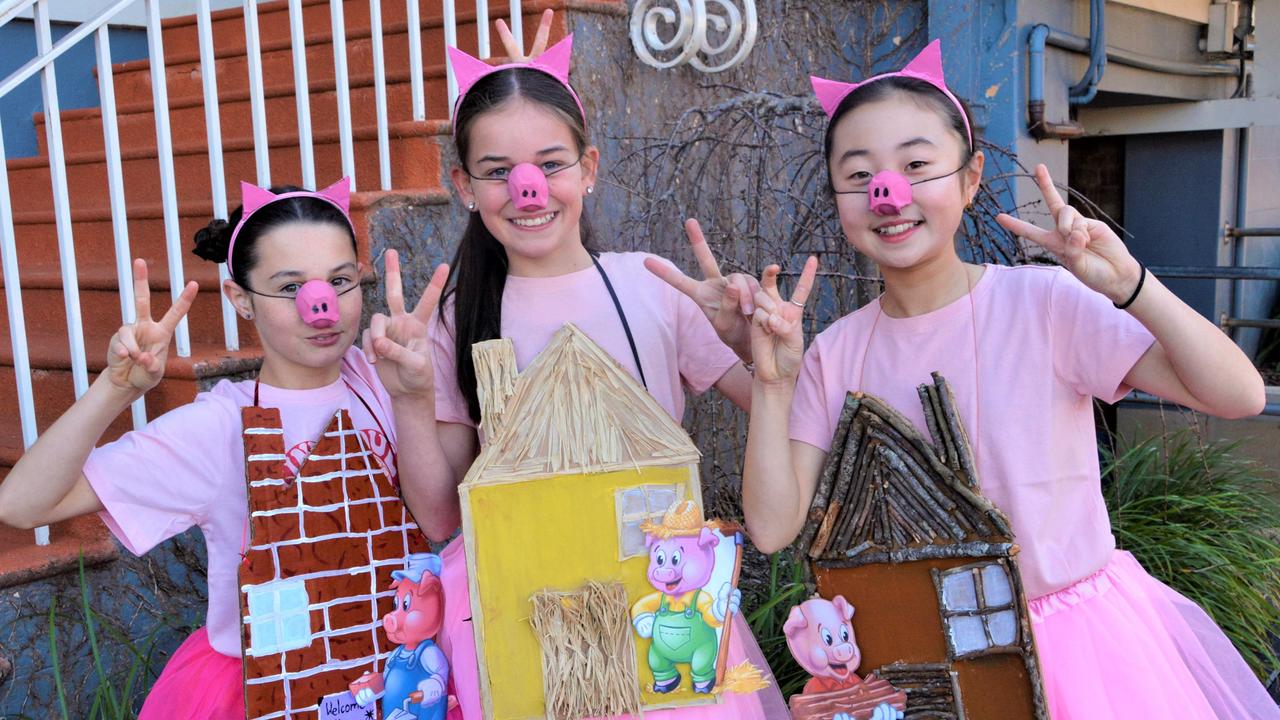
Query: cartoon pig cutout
{"points": [[682, 617], [820, 637], [414, 681]]}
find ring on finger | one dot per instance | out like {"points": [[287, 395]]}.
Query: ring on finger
{"points": [[797, 304]]}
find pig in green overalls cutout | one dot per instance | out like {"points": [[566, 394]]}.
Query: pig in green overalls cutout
{"points": [[682, 617]]}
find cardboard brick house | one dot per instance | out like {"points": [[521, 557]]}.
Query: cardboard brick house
{"points": [[578, 456], [318, 558], [899, 528]]}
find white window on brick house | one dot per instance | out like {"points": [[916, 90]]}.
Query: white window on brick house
{"points": [[279, 617], [637, 504], [978, 609]]}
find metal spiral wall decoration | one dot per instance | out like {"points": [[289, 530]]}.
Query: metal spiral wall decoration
{"points": [[689, 43]]}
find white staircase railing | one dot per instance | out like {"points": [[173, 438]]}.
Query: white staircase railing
{"points": [[99, 26]]}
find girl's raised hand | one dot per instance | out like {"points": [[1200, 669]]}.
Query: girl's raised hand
{"points": [[539, 39], [136, 354], [397, 344], [1087, 248], [777, 337], [726, 301]]}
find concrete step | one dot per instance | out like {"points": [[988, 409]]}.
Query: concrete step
{"points": [[40, 273], [181, 34], [36, 234], [44, 308], [183, 78], [82, 129], [54, 391], [414, 151]]}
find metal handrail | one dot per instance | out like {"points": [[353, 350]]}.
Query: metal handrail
{"points": [[1245, 232], [302, 93], [43, 64], [1215, 272], [11, 8], [80, 32], [217, 177], [1235, 274]]}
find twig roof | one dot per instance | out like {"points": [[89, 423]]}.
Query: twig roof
{"points": [[888, 494]]}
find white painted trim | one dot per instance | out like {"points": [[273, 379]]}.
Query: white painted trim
{"points": [[1193, 10], [1181, 117]]}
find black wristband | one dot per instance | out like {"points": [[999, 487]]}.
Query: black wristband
{"points": [[1142, 276]]}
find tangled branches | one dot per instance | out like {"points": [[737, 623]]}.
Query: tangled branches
{"points": [[751, 169]]}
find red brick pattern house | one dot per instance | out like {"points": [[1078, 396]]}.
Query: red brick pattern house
{"points": [[317, 566]]}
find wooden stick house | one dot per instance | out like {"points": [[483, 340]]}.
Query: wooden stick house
{"points": [[898, 527], [317, 568], [578, 455]]}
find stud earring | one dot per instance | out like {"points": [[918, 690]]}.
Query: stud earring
{"points": [[471, 206], [591, 189]]}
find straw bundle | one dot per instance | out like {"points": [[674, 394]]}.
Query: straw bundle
{"points": [[588, 653]]}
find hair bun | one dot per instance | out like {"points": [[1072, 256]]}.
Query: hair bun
{"points": [[212, 241]]}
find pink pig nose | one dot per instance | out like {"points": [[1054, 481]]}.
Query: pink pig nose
{"points": [[889, 193], [666, 575], [317, 304], [528, 187], [843, 652], [391, 622]]}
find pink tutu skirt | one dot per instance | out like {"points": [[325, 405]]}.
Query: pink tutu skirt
{"points": [[1121, 644], [198, 683], [459, 645]]}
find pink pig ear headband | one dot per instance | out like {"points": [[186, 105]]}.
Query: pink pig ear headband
{"points": [[254, 198], [316, 299], [526, 183], [890, 191], [926, 66], [554, 62]]}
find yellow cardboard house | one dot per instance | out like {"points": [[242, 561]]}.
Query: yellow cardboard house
{"points": [[577, 456]]}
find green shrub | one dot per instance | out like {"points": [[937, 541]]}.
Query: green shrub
{"points": [[1202, 518]]}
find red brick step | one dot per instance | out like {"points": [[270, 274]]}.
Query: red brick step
{"points": [[413, 148]]}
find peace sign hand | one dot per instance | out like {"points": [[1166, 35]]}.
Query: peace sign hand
{"points": [[397, 345], [1087, 248], [726, 301], [777, 338], [539, 39], [136, 353]]}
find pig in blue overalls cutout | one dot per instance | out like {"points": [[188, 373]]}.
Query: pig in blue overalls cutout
{"points": [[414, 682]]}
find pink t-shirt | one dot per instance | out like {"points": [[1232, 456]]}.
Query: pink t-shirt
{"points": [[1046, 346], [186, 468], [674, 339]]}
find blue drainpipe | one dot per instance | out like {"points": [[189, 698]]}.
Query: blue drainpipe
{"points": [[1039, 128], [1084, 91]]}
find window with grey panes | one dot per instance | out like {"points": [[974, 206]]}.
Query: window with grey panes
{"points": [[979, 610], [634, 506]]}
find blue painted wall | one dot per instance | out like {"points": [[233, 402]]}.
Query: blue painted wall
{"points": [[1172, 198], [77, 83], [981, 54]]}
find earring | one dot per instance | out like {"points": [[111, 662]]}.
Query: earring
{"points": [[471, 206], [591, 189], [248, 316]]}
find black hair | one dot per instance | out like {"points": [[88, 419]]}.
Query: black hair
{"points": [[921, 92], [478, 272], [212, 240]]}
